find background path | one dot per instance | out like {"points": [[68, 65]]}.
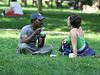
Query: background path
{"points": [[49, 32]]}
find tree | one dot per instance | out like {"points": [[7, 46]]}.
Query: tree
{"points": [[40, 6]]}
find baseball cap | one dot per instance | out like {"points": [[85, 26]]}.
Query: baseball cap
{"points": [[37, 15]]}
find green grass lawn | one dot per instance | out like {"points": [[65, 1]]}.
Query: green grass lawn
{"points": [[20, 64]]}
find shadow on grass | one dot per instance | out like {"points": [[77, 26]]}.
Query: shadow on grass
{"points": [[55, 20]]}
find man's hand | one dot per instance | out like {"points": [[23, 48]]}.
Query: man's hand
{"points": [[37, 31], [43, 36]]}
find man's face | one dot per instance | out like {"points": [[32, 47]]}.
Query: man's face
{"points": [[38, 23], [68, 21]]}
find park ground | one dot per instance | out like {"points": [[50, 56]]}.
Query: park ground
{"points": [[21, 64]]}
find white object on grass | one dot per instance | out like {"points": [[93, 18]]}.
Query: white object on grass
{"points": [[53, 55], [43, 27], [2, 14], [71, 55]]}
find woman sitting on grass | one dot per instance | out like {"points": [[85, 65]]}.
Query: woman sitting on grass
{"points": [[14, 10], [75, 42]]}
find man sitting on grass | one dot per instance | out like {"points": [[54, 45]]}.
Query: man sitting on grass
{"points": [[30, 34]]}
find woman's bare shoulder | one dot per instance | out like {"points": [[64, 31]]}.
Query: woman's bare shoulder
{"points": [[73, 32]]}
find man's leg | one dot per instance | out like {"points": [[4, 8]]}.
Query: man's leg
{"points": [[45, 50], [26, 49]]}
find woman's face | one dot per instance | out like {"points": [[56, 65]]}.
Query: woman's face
{"points": [[68, 21]]}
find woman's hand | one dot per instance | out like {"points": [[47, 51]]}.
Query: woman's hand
{"points": [[64, 41]]}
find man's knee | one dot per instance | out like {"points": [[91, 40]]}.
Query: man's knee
{"points": [[23, 46], [49, 47]]}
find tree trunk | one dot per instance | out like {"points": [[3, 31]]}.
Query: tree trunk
{"points": [[40, 6], [96, 4], [9, 2]]}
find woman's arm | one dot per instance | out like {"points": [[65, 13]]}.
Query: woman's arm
{"points": [[10, 9], [73, 37]]}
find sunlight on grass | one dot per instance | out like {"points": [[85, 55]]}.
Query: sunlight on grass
{"points": [[93, 36], [63, 10], [55, 36], [86, 22], [4, 8], [9, 34], [57, 29], [14, 64], [5, 19], [31, 8], [87, 31]]}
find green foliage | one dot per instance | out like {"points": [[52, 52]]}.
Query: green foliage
{"points": [[20, 64], [89, 2]]}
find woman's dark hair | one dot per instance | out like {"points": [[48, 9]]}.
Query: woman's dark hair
{"points": [[75, 20]]}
